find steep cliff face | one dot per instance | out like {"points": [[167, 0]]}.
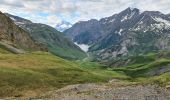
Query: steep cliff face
{"points": [[15, 35], [129, 32], [149, 33]]}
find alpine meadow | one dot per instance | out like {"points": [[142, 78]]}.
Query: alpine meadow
{"points": [[84, 50]]}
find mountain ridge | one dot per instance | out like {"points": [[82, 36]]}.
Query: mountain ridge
{"points": [[16, 36], [125, 33], [54, 40]]}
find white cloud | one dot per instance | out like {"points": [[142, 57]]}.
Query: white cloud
{"points": [[53, 20], [75, 10]]}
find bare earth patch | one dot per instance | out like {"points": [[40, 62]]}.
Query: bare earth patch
{"points": [[108, 91]]}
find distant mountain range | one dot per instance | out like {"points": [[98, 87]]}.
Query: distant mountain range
{"points": [[130, 32], [43, 34], [63, 25]]}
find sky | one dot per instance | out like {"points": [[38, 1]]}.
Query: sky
{"points": [[52, 12]]}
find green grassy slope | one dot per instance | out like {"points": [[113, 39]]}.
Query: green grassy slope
{"points": [[150, 68], [32, 73], [141, 70], [54, 41]]}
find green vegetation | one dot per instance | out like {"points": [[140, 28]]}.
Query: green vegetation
{"points": [[32, 73], [55, 41], [40, 71], [100, 70], [151, 68], [47, 37], [142, 70], [161, 80]]}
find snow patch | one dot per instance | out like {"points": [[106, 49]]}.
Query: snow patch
{"points": [[163, 21], [19, 23], [13, 18], [106, 19], [84, 47], [132, 8], [124, 18], [128, 16], [159, 26], [132, 14], [141, 22], [111, 20], [120, 32]]}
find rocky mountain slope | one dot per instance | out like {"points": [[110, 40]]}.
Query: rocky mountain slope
{"points": [[50, 37], [129, 32], [168, 15], [15, 36]]}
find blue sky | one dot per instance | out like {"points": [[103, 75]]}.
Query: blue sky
{"points": [[52, 12]]}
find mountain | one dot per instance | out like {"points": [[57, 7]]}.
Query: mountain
{"points": [[15, 38], [63, 25], [168, 15], [50, 37], [129, 32], [41, 75], [84, 32]]}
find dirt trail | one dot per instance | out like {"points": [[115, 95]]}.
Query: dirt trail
{"points": [[108, 91]]}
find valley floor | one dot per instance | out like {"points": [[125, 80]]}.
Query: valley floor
{"points": [[41, 75], [31, 74]]}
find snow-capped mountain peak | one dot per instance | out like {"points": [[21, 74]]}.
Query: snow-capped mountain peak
{"points": [[63, 25]]}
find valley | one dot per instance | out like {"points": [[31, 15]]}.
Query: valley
{"points": [[38, 75], [121, 57], [39, 71]]}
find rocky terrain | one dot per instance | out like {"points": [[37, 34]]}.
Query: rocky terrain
{"points": [[15, 35], [129, 32], [114, 90], [95, 92]]}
